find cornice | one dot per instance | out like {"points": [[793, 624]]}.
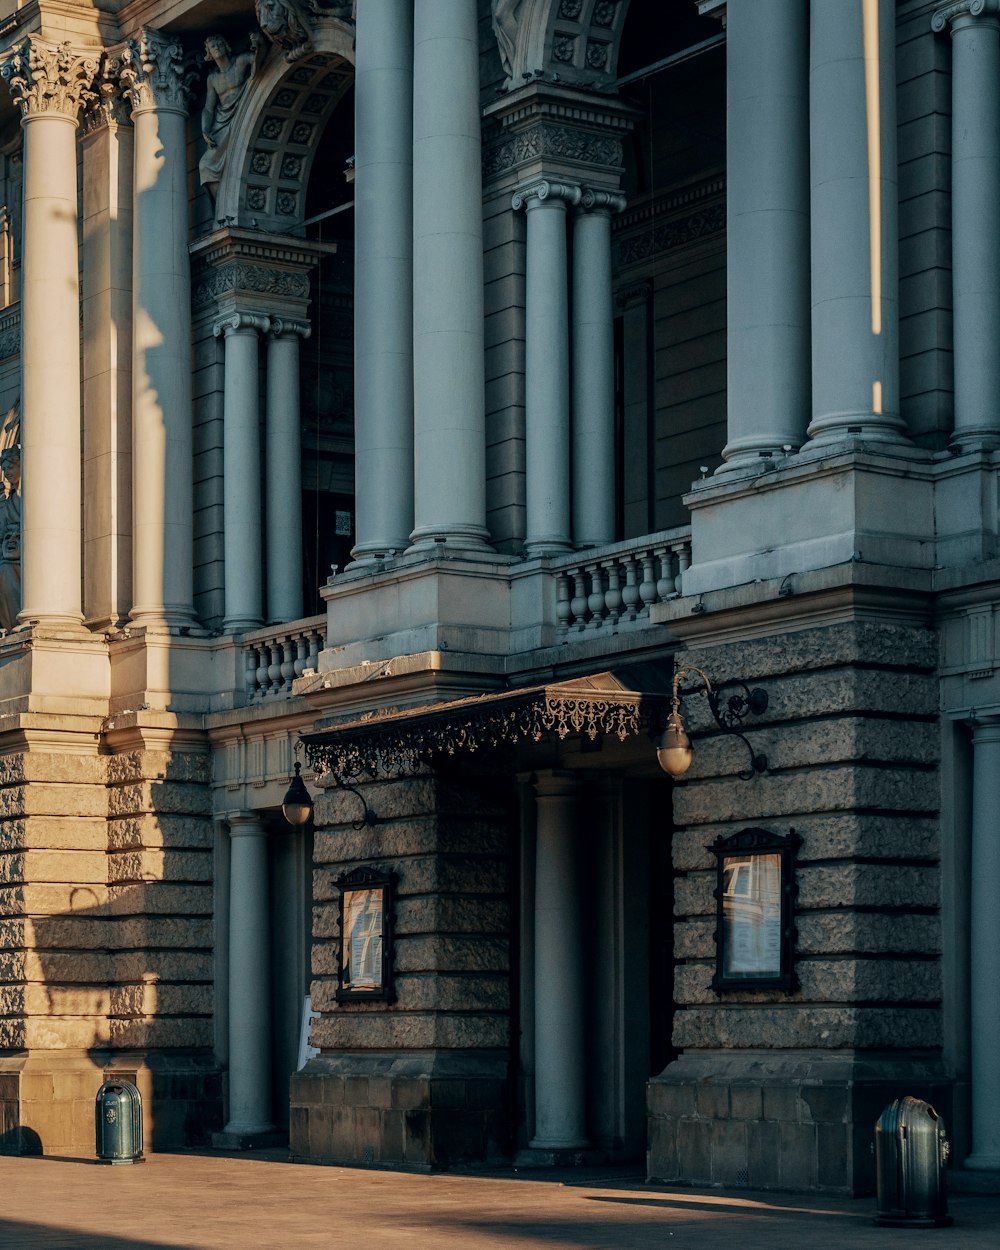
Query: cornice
{"points": [[231, 243]]}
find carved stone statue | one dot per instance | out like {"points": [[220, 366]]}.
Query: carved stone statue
{"points": [[10, 520], [505, 17], [224, 90], [286, 24]]}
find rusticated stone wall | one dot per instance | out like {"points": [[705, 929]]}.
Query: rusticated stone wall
{"points": [[422, 1081], [851, 738]]}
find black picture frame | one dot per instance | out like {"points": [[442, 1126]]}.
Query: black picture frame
{"points": [[755, 897], [365, 966]]}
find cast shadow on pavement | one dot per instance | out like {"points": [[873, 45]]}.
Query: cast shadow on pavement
{"points": [[19, 1235]]}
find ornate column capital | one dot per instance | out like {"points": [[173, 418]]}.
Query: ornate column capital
{"points": [[596, 201], [108, 108], [235, 322], [156, 73], [289, 326], [535, 193], [988, 10], [48, 77]]}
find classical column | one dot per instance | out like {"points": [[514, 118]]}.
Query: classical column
{"points": [[157, 81], [767, 223], [975, 194], [241, 510], [560, 984], [283, 471], [984, 947], [49, 84], [449, 395], [546, 366], [249, 978], [383, 267], [852, 115], [593, 370]]}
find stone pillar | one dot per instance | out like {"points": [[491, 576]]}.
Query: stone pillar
{"points": [[560, 1051], [249, 979], [449, 395], [984, 947], [157, 82], [852, 113], [49, 84], [767, 216], [593, 442], [975, 193], [546, 366], [241, 510], [383, 289], [283, 471]]}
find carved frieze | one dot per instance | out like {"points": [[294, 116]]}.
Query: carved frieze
{"points": [[10, 332], [662, 237], [156, 73], [241, 276], [564, 142], [50, 78]]}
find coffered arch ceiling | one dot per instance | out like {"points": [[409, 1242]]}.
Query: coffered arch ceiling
{"points": [[575, 41]]}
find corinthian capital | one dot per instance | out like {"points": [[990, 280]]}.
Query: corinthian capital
{"points": [[964, 8], [155, 72], [50, 77]]}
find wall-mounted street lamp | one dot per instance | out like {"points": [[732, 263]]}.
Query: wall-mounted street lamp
{"points": [[297, 805], [674, 750]]}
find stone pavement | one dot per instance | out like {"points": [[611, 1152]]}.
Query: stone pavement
{"points": [[262, 1202]]}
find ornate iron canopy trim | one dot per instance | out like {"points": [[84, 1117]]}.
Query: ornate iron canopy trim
{"points": [[399, 742]]}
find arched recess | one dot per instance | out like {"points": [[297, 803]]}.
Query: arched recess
{"points": [[275, 141], [573, 41]]}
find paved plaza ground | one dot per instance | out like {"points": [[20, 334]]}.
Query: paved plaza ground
{"points": [[262, 1202]]}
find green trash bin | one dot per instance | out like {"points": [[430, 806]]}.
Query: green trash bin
{"points": [[910, 1156], [118, 1116]]}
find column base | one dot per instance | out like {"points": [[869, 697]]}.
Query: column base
{"points": [[547, 547], [243, 624], [563, 1157], [975, 440], [444, 541], [249, 1139]]}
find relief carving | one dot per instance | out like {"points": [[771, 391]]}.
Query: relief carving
{"points": [[505, 19], [224, 89], [289, 23], [10, 518]]}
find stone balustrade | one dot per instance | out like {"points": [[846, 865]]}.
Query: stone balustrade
{"points": [[274, 657], [608, 587]]}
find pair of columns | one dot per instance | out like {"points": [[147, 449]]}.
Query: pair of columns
{"points": [[564, 507], [51, 84], [244, 548], [420, 426]]}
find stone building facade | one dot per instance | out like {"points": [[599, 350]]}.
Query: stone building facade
{"points": [[425, 391]]}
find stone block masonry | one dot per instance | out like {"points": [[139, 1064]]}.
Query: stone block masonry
{"points": [[421, 1082], [776, 1090]]}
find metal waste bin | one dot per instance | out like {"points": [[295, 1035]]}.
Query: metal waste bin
{"points": [[910, 1155], [118, 1116]]}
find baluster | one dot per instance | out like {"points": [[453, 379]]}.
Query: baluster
{"points": [[647, 588], [613, 594], [250, 672], [301, 652], [595, 601], [683, 550], [665, 585], [261, 671], [274, 669], [630, 594], [579, 604], [314, 641], [563, 603], [287, 664]]}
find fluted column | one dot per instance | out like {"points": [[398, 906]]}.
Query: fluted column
{"points": [[383, 289], [157, 81], [50, 84], [975, 194], [593, 370], [546, 366], [560, 1049], [249, 978], [283, 471], [241, 510], [448, 331], [984, 947], [852, 112], [767, 222]]}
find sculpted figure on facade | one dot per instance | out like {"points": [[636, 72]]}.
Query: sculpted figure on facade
{"points": [[288, 23], [10, 519], [505, 20], [224, 90]]}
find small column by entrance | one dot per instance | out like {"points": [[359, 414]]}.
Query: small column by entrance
{"points": [[560, 1050]]}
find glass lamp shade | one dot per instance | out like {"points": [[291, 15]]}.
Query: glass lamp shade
{"points": [[297, 805], [674, 747]]}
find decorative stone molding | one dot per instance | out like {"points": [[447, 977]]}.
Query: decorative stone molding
{"points": [[156, 73], [687, 215], [573, 41], [290, 24], [235, 322], [539, 192], [548, 141], [671, 234], [286, 326], [235, 265], [10, 332], [987, 9], [50, 78], [243, 277]]}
